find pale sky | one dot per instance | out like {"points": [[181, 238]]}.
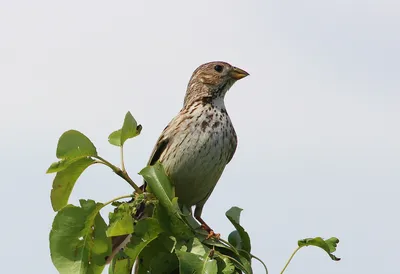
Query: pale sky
{"points": [[317, 119]]}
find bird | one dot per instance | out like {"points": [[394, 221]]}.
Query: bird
{"points": [[198, 143], [200, 140]]}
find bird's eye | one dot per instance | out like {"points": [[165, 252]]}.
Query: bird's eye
{"points": [[218, 68]]}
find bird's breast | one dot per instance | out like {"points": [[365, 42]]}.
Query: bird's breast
{"points": [[200, 149]]}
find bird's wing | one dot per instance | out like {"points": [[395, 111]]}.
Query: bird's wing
{"points": [[166, 137], [160, 147], [233, 144], [230, 156]]}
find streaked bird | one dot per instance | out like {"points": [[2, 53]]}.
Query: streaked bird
{"points": [[200, 140]]}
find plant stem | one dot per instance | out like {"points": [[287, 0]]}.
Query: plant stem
{"points": [[230, 258], [123, 174], [118, 198], [229, 244], [291, 257], [258, 259], [122, 159]]}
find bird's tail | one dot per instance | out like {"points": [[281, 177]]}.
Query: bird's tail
{"points": [[118, 243]]}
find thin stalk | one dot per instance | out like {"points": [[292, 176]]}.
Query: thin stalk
{"points": [[291, 257], [255, 257], [258, 259], [122, 159], [118, 198], [123, 174]]}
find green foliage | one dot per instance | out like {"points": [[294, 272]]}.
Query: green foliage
{"points": [[146, 231], [78, 241], [328, 245], [239, 238], [192, 263], [122, 266], [65, 180], [161, 235], [129, 130], [159, 184], [121, 221], [73, 144]]}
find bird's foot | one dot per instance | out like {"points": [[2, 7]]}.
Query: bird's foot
{"points": [[211, 233]]}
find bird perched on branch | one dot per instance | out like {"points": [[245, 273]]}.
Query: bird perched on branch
{"points": [[200, 141]]}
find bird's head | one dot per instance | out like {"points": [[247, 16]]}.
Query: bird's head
{"points": [[212, 80]]}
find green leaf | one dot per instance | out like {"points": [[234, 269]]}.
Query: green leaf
{"points": [[65, 180], [235, 239], [171, 222], [146, 230], [115, 138], [222, 248], [121, 221], [129, 130], [241, 239], [196, 247], [225, 265], [73, 144], [241, 263], [61, 165], [78, 241], [328, 245], [121, 266], [164, 262], [148, 256], [190, 263], [159, 183], [167, 211]]}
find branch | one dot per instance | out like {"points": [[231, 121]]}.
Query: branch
{"points": [[121, 173]]}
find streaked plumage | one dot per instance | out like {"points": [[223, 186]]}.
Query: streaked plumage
{"points": [[200, 141]]}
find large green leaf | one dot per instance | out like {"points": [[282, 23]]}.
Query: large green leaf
{"points": [[71, 147], [78, 241], [146, 230], [172, 223], [167, 211], [74, 144], [129, 130], [65, 180], [328, 245], [159, 183], [121, 221], [190, 263], [155, 253], [239, 238]]}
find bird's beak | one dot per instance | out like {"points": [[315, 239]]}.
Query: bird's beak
{"points": [[237, 73]]}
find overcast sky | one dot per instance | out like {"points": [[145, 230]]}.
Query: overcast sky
{"points": [[317, 119]]}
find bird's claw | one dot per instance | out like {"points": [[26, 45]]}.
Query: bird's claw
{"points": [[211, 233]]}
